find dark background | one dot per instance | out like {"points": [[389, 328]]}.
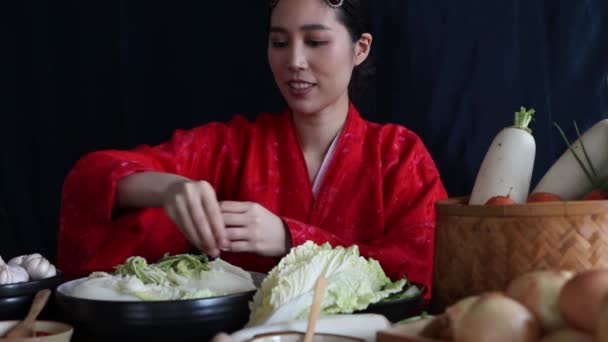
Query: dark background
{"points": [[77, 76]]}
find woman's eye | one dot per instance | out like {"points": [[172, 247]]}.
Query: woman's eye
{"points": [[278, 43], [315, 43]]}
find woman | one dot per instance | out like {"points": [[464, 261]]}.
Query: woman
{"points": [[249, 191]]}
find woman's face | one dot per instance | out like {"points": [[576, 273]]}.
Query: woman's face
{"points": [[312, 55]]}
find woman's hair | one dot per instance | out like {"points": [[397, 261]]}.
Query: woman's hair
{"points": [[354, 15]]}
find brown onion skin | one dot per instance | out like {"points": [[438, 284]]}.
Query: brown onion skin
{"points": [[496, 317], [453, 314], [580, 299], [601, 330], [567, 335], [539, 292]]}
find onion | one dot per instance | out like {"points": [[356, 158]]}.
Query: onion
{"points": [[454, 314], [601, 330], [580, 298], [567, 335], [497, 318], [457, 310], [539, 292]]}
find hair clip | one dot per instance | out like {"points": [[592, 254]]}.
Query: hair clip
{"points": [[335, 3]]}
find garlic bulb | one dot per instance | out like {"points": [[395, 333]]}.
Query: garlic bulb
{"points": [[38, 267], [2, 261], [10, 274], [18, 260]]}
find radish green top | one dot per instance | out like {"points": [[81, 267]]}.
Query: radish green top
{"points": [[523, 118]]}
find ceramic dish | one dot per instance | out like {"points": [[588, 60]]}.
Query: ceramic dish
{"points": [[47, 331], [172, 320], [15, 299]]}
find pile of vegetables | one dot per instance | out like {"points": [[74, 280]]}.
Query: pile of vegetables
{"points": [[581, 173], [546, 306], [25, 268], [353, 283], [182, 276]]}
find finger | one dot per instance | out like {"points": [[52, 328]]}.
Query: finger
{"points": [[196, 215], [240, 246], [181, 218], [173, 214], [236, 207], [236, 234], [214, 215], [235, 220]]}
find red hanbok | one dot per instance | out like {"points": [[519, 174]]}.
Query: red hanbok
{"points": [[378, 192]]}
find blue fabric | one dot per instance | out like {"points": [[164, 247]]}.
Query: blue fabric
{"points": [[456, 71]]}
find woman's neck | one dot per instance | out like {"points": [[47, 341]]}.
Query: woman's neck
{"points": [[317, 131]]}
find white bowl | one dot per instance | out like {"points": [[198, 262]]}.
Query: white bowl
{"points": [[59, 332], [360, 326], [294, 336]]}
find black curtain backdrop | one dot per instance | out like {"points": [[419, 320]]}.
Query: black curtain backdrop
{"points": [[83, 75]]}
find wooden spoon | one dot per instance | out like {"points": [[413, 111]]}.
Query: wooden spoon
{"points": [[315, 308], [25, 328]]}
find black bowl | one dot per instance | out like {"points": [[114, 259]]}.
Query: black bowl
{"points": [[399, 309], [15, 299], [174, 320], [30, 287]]}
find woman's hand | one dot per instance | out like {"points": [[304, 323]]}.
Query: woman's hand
{"points": [[252, 228], [194, 208]]}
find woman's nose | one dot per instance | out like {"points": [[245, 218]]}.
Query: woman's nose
{"points": [[297, 60]]}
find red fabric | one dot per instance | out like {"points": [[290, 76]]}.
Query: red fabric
{"points": [[378, 193]]}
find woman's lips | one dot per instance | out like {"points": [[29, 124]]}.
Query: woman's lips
{"points": [[299, 88]]}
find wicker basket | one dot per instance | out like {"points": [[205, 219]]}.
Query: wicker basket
{"points": [[482, 248]]}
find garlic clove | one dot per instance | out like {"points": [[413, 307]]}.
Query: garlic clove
{"points": [[38, 267], [6, 277], [18, 260], [19, 273], [32, 256], [51, 272], [10, 274]]}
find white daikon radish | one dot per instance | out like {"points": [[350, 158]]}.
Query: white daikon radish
{"points": [[567, 178], [507, 166]]}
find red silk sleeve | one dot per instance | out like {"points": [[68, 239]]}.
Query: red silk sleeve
{"points": [[89, 230], [406, 245]]}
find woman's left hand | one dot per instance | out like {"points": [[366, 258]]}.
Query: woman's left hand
{"points": [[252, 228]]}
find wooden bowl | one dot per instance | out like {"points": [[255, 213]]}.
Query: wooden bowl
{"points": [[481, 248]]}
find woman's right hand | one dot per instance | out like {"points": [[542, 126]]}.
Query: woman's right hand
{"points": [[194, 208]]}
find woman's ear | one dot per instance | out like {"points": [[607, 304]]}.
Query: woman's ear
{"points": [[362, 48]]}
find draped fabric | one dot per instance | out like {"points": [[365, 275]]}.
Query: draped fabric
{"points": [[378, 193], [77, 76]]}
